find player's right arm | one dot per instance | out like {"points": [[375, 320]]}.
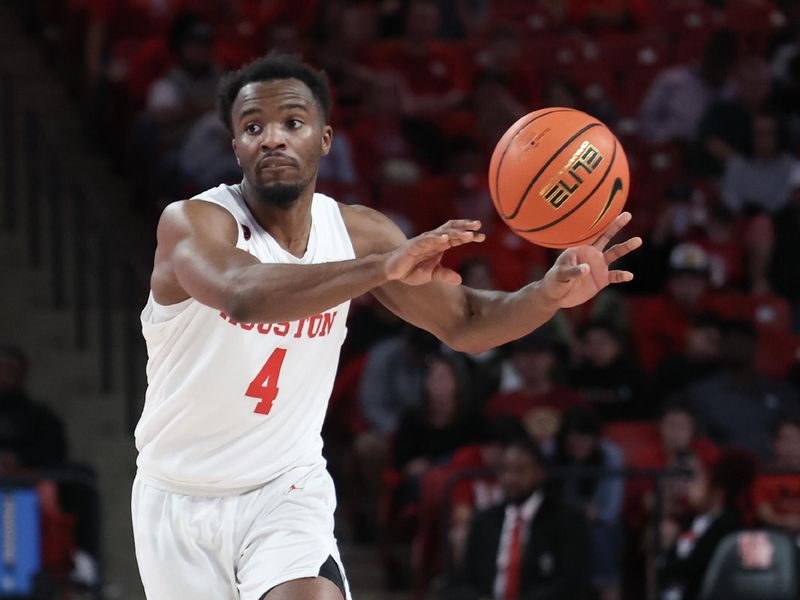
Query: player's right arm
{"points": [[197, 257]]}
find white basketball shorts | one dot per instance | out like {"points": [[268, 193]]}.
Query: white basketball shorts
{"points": [[234, 547]]}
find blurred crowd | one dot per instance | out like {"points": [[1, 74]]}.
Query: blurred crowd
{"points": [[692, 367]]}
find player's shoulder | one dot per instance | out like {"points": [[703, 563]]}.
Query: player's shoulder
{"points": [[185, 217], [370, 231]]}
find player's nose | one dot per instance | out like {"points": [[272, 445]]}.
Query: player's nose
{"points": [[273, 137]]}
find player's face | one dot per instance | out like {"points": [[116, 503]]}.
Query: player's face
{"points": [[279, 137]]}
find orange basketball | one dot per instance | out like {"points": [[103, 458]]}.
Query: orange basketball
{"points": [[558, 177]]}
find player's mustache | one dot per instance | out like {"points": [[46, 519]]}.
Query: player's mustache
{"points": [[281, 155]]}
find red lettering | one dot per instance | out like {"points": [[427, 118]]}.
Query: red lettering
{"points": [[314, 323], [281, 328], [264, 327], [265, 385], [299, 331], [227, 318], [247, 326], [327, 323]]}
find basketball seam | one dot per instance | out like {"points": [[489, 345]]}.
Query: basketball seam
{"points": [[544, 167], [581, 203], [508, 145]]}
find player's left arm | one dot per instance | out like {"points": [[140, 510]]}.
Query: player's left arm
{"points": [[471, 320]]}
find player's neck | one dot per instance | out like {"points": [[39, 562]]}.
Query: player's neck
{"points": [[291, 226]]}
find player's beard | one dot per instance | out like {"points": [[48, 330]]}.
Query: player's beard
{"points": [[280, 195]]}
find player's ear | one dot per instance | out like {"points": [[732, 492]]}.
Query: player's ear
{"points": [[327, 139], [235, 153]]}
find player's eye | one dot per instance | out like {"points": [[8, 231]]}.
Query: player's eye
{"points": [[294, 123], [253, 128]]}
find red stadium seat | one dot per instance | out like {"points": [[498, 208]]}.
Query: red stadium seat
{"points": [[768, 312], [633, 437], [777, 353]]}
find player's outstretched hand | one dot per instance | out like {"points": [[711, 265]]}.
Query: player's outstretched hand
{"points": [[581, 272], [417, 261]]}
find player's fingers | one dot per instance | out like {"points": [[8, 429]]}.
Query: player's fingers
{"points": [[462, 225], [617, 251], [566, 273], [445, 275], [619, 276], [458, 238], [612, 230], [428, 244]]}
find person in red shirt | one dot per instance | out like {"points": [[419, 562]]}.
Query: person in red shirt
{"points": [[677, 446], [777, 496], [434, 71], [662, 324], [533, 395]]}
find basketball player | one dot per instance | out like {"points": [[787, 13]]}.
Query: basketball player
{"points": [[250, 291]]}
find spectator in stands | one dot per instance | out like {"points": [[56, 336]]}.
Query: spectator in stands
{"points": [[607, 375], [502, 56], [32, 438], [493, 107], [384, 148], [680, 95], [205, 159], [426, 437], [699, 358], [730, 251], [727, 125], [717, 499], [188, 90], [531, 392], [738, 406], [31, 435], [787, 45], [391, 384], [111, 21], [760, 182], [531, 546], [777, 496], [435, 73], [580, 444], [428, 434], [174, 104], [346, 29], [663, 322], [786, 251], [678, 446]]}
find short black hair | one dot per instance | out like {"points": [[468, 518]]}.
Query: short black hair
{"points": [[676, 403], [581, 420], [188, 27], [528, 446], [603, 324], [268, 68]]}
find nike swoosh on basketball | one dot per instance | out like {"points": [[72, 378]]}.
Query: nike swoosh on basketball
{"points": [[615, 189]]}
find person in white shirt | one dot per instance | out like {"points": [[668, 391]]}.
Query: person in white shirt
{"points": [[532, 545], [250, 290]]}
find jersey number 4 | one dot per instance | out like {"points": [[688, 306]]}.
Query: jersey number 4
{"points": [[265, 385]]}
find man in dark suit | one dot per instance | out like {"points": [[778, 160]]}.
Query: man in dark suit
{"points": [[530, 547]]}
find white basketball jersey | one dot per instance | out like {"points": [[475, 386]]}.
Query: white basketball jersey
{"points": [[230, 406]]}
